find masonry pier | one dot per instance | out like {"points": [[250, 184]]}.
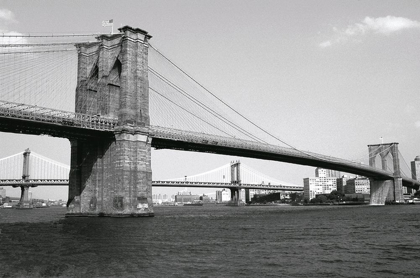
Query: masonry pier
{"points": [[24, 202], [382, 191], [235, 179], [112, 176]]}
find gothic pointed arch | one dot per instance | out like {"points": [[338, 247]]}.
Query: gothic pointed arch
{"points": [[92, 83], [115, 73]]}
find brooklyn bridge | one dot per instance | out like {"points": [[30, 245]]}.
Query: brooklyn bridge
{"points": [[125, 106]]}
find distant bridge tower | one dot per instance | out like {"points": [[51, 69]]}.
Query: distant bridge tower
{"points": [[385, 190], [113, 176], [235, 179], [24, 202]]}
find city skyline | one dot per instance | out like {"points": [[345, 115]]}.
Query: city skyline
{"points": [[330, 82]]}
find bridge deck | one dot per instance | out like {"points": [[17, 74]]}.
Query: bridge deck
{"points": [[34, 182], [186, 140], [64, 182], [32, 119], [29, 119]]}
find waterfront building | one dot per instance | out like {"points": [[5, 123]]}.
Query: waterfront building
{"points": [[415, 172], [2, 192], [253, 192], [186, 197], [321, 184], [358, 185], [242, 195], [321, 172], [205, 199], [341, 184], [415, 168], [223, 196]]}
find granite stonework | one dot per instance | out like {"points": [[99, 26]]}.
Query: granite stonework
{"points": [[24, 202], [112, 176], [391, 190], [235, 178]]}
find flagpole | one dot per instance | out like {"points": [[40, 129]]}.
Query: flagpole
{"points": [[107, 23]]}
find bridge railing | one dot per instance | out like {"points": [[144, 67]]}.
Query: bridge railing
{"points": [[58, 182], [47, 115], [226, 185], [33, 182]]}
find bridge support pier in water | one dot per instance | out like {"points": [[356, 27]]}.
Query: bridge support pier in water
{"points": [[247, 196], [235, 179], [112, 176], [235, 196], [24, 202], [382, 191]]}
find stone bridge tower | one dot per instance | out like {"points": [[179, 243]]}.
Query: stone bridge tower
{"points": [[112, 176], [235, 179], [24, 187], [385, 190]]}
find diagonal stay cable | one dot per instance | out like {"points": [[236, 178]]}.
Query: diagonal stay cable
{"points": [[220, 100], [384, 150], [408, 167], [234, 110], [205, 107], [189, 112]]}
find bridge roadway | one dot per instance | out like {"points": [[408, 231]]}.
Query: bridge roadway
{"points": [[28, 119], [64, 182], [34, 182]]}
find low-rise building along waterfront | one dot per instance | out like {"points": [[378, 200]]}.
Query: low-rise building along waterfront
{"points": [[320, 184], [415, 173], [2, 192], [358, 185], [223, 196], [341, 184]]}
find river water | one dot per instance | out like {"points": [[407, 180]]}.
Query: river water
{"points": [[214, 241]]}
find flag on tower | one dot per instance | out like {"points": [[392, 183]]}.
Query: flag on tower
{"points": [[107, 23]]}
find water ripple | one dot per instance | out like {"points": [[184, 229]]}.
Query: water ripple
{"points": [[213, 242]]}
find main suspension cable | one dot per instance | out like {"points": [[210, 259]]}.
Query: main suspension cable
{"points": [[234, 110]]}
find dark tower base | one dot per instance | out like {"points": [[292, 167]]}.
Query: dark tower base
{"points": [[113, 176]]}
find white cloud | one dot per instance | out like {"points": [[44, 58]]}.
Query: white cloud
{"points": [[6, 36], [389, 24], [380, 25], [11, 37], [7, 15], [325, 44]]}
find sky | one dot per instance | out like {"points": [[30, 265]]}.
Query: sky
{"points": [[330, 77]]}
